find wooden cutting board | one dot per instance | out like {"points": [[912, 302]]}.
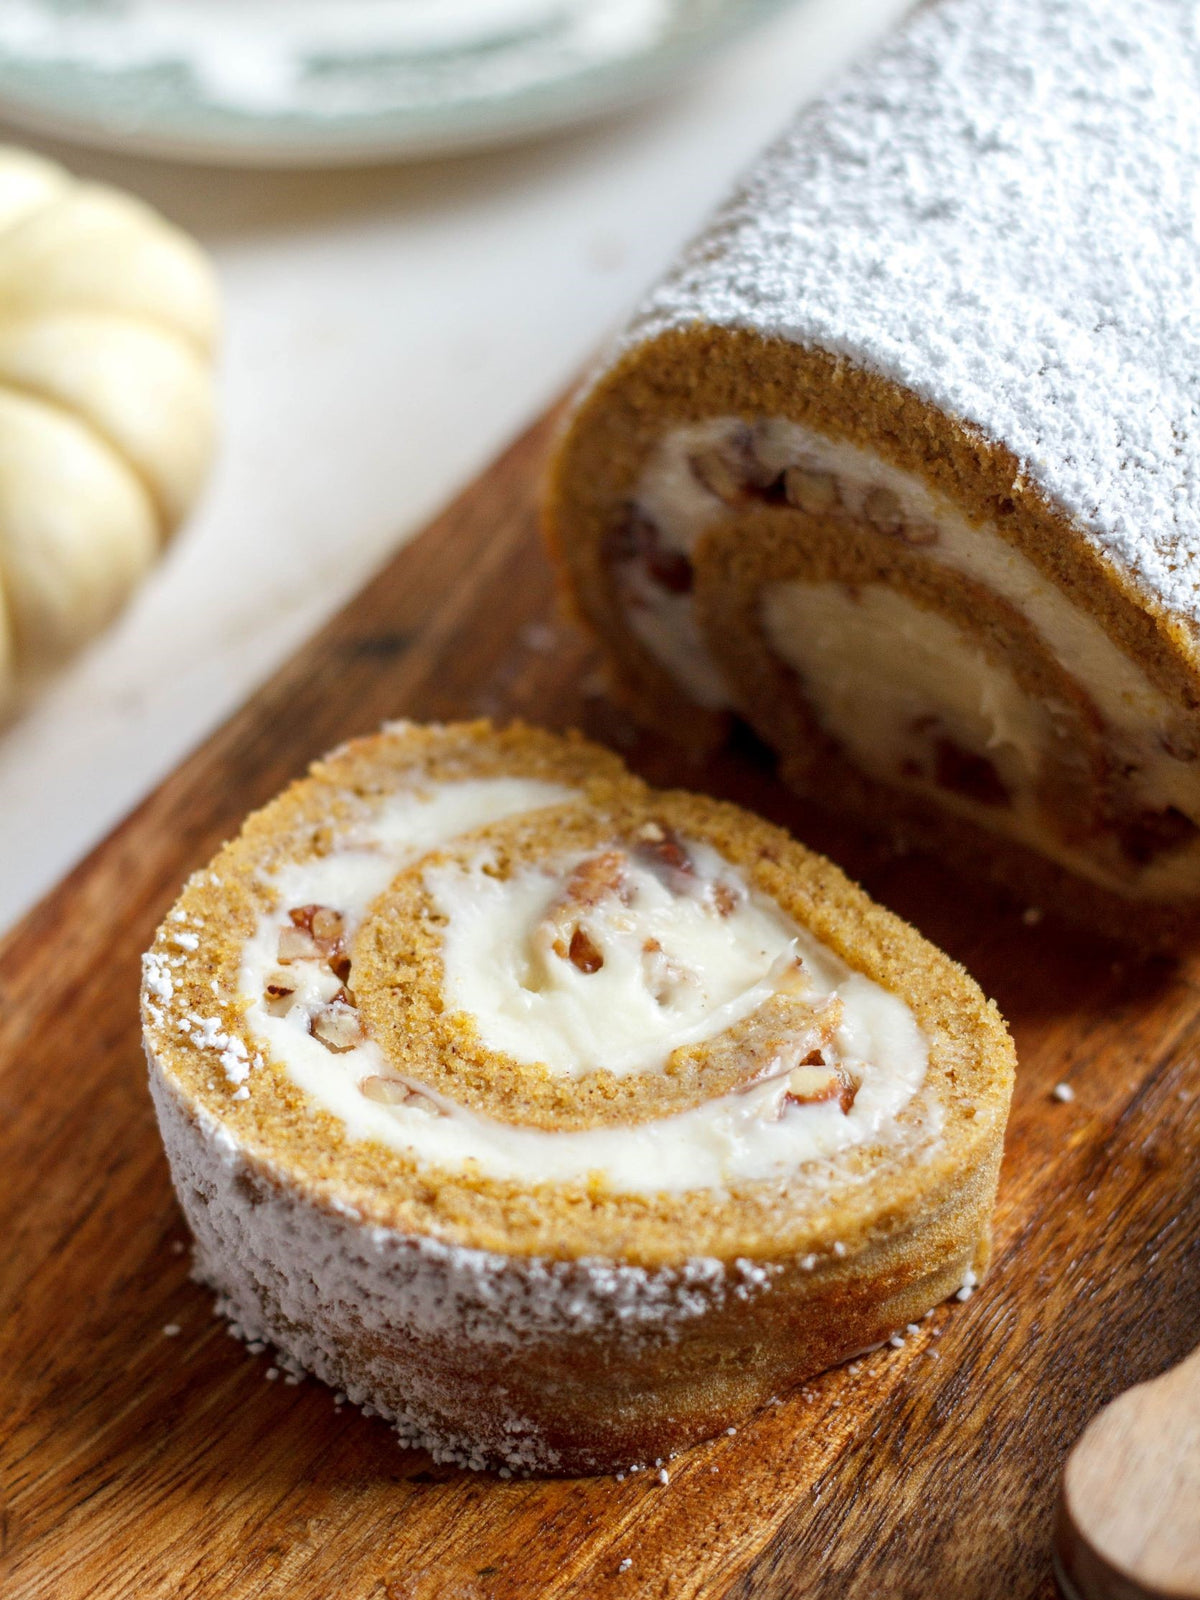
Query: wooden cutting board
{"points": [[140, 1462]]}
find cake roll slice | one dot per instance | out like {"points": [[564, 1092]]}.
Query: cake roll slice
{"points": [[900, 460], [558, 1120]]}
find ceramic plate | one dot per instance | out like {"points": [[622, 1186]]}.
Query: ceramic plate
{"points": [[277, 82]]}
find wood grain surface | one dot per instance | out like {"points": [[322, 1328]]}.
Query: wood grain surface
{"points": [[140, 1463]]}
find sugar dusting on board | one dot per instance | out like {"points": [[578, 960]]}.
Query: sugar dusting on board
{"points": [[334, 57]]}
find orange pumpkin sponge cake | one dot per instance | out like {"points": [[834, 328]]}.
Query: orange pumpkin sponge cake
{"points": [[560, 1120], [896, 462]]}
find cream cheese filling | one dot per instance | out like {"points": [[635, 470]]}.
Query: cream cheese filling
{"points": [[745, 1136], [1142, 722], [671, 969], [889, 678]]}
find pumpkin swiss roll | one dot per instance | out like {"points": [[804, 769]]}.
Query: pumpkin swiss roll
{"points": [[558, 1120], [899, 463]]}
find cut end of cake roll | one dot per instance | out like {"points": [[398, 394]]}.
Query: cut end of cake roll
{"points": [[561, 1121], [878, 469]]}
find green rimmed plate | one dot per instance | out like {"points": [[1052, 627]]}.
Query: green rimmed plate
{"points": [[322, 82]]}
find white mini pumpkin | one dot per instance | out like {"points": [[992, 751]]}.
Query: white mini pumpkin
{"points": [[108, 317]]}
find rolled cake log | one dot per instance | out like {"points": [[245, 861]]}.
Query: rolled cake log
{"points": [[900, 463], [561, 1121]]}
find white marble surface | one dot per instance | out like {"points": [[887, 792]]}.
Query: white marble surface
{"points": [[388, 330]]}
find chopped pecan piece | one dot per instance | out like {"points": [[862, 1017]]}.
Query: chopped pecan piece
{"points": [[970, 775], [384, 1091], [326, 925], [637, 539], [278, 992], [583, 952], [392, 1092], [756, 455], [813, 492], [726, 897], [920, 534], [719, 475], [595, 878], [743, 466], [812, 1083], [661, 849], [769, 444], [337, 1027], [316, 932], [882, 507], [561, 930], [297, 944]]}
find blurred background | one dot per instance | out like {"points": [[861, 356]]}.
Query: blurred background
{"points": [[391, 320]]}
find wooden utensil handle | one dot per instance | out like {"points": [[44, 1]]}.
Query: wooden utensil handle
{"points": [[1129, 1512]]}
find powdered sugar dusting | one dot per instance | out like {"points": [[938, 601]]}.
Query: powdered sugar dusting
{"points": [[367, 1308], [157, 977], [235, 1061], [1000, 211], [205, 1033]]}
